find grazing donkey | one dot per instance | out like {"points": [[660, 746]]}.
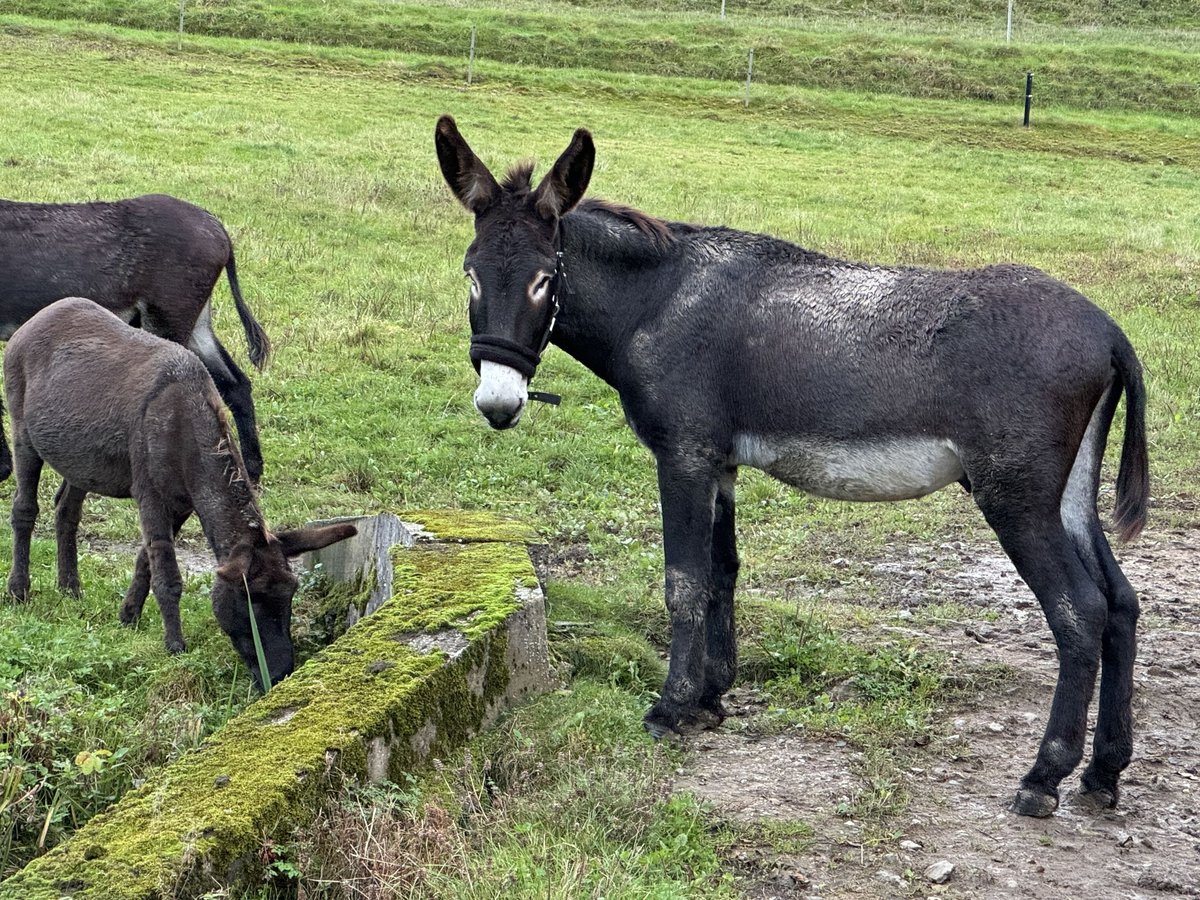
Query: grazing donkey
{"points": [[845, 380], [120, 412], [153, 259]]}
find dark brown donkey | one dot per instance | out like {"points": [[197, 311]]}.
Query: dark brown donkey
{"points": [[846, 380], [153, 260], [120, 412]]}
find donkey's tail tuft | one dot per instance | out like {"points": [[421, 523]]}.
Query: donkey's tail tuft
{"points": [[1133, 477], [256, 337]]}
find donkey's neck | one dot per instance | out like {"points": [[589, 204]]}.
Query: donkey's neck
{"points": [[220, 488], [615, 274]]}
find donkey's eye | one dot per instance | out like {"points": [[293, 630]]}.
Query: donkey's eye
{"points": [[539, 287]]}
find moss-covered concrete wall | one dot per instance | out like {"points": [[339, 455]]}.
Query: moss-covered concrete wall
{"points": [[462, 637]]}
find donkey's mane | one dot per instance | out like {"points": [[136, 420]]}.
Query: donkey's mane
{"points": [[660, 232], [235, 469], [518, 180]]}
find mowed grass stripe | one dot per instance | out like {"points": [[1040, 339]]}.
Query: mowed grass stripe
{"points": [[1080, 70]]}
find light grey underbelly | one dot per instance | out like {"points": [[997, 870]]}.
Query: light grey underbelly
{"points": [[896, 469]]}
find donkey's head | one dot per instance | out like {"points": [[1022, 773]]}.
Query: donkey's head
{"points": [[261, 564], [513, 264]]}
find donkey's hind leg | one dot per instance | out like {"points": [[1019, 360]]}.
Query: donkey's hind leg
{"points": [[1033, 536], [720, 665], [28, 468], [1112, 746], [233, 386], [1113, 742], [68, 507]]}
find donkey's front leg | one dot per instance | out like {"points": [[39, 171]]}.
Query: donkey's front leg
{"points": [[68, 506], [687, 490], [158, 544], [720, 666]]}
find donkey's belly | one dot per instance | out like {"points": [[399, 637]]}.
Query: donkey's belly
{"points": [[895, 469]]}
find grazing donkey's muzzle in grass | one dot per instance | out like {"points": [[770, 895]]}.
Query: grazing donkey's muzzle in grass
{"points": [[120, 412], [261, 564], [514, 284], [846, 380]]}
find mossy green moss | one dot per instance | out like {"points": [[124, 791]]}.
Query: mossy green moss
{"points": [[468, 526], [368, 704], [468, 587]]}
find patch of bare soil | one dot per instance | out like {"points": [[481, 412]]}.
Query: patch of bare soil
{"points": [[961, 783], [194, 558]]}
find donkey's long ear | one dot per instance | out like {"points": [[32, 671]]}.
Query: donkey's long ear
{"points": [[302, 540], [564, 185], [469, 178]]}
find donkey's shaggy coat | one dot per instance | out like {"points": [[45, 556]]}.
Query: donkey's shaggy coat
{"points": [[120, 412]]}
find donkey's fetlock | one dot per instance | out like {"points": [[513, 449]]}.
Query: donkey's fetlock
{"points": [[71, 586]]}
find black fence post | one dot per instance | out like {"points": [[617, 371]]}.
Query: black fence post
{"points": [[1028, 96]]}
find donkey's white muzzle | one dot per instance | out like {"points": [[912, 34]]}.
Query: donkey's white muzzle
{"points": [[501, 395]]}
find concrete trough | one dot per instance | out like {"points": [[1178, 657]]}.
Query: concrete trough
{"points": [[462, 638]]}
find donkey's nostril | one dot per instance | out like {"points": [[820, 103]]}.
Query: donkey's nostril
{"points": [[500, 419]]}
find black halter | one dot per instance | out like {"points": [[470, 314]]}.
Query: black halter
{"points": [[494, 348]]}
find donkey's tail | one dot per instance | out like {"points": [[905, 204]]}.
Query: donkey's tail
{"points": [[1133, 477], [256, 337]]}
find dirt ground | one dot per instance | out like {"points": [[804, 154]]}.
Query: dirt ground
{"points": [[962, 781]]}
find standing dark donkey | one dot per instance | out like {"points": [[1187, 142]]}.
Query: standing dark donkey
{"points": [[848, 381], [153, 258], [123, 413]]}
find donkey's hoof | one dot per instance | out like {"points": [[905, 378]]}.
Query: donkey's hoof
{"points": [[175, 647], [657, 730], [18, 591], [1098, 799], [1098, 790], [714, 710], [1029, 802], [71, 588]]}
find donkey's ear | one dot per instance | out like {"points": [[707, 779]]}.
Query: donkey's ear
{"points": [[564, 185], [302, 540], [469, 178]]}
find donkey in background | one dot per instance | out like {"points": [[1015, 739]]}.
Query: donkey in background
{"points": [[153, 260], [120, 412], [845, 380]]}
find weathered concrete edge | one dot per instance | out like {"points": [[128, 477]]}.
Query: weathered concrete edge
{"points": [[465, 638]]}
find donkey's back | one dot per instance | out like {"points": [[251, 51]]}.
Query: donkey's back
{"points": [[79, 382], [116, 253]]}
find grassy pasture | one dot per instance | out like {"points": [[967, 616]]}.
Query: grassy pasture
{"points": [[1082, 61], [320, 161]]}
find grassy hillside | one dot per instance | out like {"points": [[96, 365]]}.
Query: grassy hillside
{"points": [[1093, 69], [320, 162]]}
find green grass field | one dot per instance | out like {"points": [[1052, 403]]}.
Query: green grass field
{"points": [[318, 156]]}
